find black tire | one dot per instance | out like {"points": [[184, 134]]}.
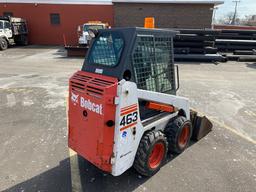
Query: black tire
{"points": [[174, 132], [144, 162], [3, 44], [21, 40]]}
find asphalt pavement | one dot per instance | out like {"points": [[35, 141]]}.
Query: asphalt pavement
{"points": [[33, 132]]}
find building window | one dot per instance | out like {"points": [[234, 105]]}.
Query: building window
{"points": [[55, 18], [6, 14]]}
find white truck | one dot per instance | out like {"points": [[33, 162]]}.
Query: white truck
{"points": [[83, 31], [84, 38], [13, 31]]}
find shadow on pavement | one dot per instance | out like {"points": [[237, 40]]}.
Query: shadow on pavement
{"points": [[94, 180], [251, 65], [33, 46], [56, 179]]}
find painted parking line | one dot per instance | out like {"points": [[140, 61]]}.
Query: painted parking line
{"points": [[74, 164], [75, 172], [233, 130]]}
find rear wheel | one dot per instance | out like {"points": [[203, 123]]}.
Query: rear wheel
{"points": [[21, 40], [151, 153], [3, 44], [178, 132]]}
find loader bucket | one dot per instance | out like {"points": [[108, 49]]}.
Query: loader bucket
{"points": [[201, 126]]}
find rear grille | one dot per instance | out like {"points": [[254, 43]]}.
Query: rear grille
{"points": [[77, 86], [92, 91], [84, 83]]}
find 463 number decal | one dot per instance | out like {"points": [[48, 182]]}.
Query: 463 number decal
{"points": [[129, 118]]}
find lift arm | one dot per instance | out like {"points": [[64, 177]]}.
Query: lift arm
{"points": [[176, 101]]}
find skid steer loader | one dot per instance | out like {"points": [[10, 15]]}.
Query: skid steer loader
{"points": [[123, 108]]}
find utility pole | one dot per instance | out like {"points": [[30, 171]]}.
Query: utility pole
{"points": [[233, 22]]}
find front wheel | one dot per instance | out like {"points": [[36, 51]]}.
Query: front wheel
{"points": [[3, 44], [178, 132], [151, 153]]}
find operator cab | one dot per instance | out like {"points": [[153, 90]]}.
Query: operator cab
{"points": [[140, 55]]}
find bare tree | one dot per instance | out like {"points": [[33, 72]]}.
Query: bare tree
{"points": [[248, 20], [226, 19]]}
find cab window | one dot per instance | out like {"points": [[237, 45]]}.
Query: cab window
{"points": [[94, 27], [106, 49], [1, 25], [7, 25]]}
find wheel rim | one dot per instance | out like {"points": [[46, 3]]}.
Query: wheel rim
{"points": [[156, 155], [184, 136]]}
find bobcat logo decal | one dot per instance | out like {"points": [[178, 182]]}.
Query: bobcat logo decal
{"points": [[74, 98]]}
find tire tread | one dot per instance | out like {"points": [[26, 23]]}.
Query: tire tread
{"points": [[172, 132], [141, 158]]}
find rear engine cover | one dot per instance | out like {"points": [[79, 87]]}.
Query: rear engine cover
{"points": [[91, 117]]}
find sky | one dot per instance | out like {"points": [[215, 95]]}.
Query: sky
{"points": [[245, 7]]}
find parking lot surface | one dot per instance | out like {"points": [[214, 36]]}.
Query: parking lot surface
{"points": [[33, 132]]}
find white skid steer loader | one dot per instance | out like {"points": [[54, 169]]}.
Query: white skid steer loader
{"points": [[123, 108]]}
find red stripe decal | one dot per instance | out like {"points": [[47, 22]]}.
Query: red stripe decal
{"points": [[128, 107], [127, 126], [128, 111]]}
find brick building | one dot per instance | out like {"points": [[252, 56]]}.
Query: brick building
{"points": [[50, 20], [167, 13]]}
